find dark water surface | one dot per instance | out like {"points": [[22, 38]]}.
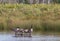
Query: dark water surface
{"points": [[10, 37]]}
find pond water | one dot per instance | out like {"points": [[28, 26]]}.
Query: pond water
{"points": [[10, 37]]}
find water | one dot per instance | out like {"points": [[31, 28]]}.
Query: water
{"points": [[10, 37]]}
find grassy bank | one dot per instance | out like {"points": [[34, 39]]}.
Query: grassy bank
{"points": [[42, 17]]}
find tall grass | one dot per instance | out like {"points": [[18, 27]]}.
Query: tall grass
{"points": [[42, 17]]}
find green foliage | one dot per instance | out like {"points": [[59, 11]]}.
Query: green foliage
{"points": [[42, 17], [56, 1], [26, 2]]}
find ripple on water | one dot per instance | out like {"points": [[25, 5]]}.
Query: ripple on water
{"points": [[10, 37]]}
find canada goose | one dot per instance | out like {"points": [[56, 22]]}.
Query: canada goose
{"points": [[17, 31], [23, 32], [28, 32]]}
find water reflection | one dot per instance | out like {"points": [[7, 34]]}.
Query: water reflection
{"points": [[10, 37]]}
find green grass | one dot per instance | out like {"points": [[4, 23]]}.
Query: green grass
{"points": [[42, 17]]}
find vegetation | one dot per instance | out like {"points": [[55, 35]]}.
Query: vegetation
{"points": [[42, 17], [56, 1]]}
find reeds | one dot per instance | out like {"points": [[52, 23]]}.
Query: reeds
{"points": [[42, 17]]}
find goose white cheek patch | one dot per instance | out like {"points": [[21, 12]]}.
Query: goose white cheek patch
{"points": [[32, 30]]}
